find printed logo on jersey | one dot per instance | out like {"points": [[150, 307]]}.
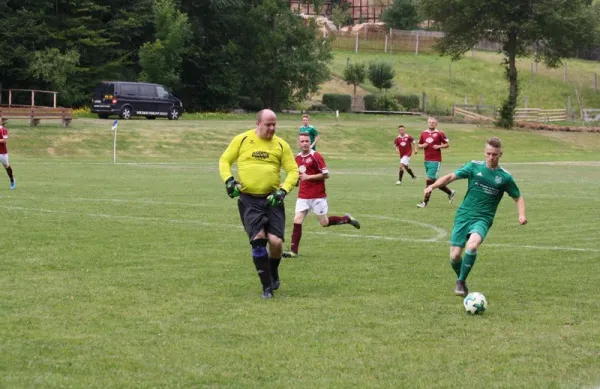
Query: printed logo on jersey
{"points": [[479, 174], [260, 155], [498, 180], [302, 169], [429, 140], [308, 160], [402, 144]]}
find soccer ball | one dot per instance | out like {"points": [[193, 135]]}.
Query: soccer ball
{"points": [[475, 303]]}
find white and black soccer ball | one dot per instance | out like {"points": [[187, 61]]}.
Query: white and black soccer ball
{"points": [[475, 303]]}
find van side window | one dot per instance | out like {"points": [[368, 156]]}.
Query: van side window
{"points": [[148, 91], [129, 89], [162, 92]]}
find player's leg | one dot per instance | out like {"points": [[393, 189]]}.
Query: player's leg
{"points": [[8, 168], [254, 218], [477, 233], [444, 188], [275, 233], [400, 173], [458, 240], [302, 208], [321, 208], [405, 162], [431, 173]]}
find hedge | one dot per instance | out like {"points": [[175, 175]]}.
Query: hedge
{"points": [[338, 101]]}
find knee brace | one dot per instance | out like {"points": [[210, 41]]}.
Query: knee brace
{"points": [[259, 248]]}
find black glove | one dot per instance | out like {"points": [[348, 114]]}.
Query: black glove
{"points": [[233, 190], [276, 198]]}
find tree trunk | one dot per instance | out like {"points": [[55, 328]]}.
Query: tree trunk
{"points": [[507, 113], [354, 90]]}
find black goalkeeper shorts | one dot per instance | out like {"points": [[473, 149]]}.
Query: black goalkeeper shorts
{"points": [[256, 215]]}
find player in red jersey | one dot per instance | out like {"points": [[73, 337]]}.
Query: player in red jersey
{"points": [[432, 141], [4, 156], [405, 146], [311, 195]]}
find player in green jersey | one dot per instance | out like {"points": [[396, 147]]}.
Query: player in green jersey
{"points": [[311, 131], [474, 217]]}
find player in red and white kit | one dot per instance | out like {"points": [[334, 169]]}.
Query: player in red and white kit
{"points": [[405, 146], [4, 156], [432, 141], [311, 195]]}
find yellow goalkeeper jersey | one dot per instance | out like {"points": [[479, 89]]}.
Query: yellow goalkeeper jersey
{"points": [[259, 163]]}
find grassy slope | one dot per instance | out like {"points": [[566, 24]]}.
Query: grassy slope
{"points": [[447, 82]]}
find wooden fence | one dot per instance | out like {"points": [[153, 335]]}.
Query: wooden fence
{"points": [[540, 115], [456, 110]]}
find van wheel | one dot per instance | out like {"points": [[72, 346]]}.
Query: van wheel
{"points": [[150, 117], [173, 114], [125, 113], [102, 116]]}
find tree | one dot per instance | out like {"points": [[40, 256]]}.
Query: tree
{"points": [[402, 15], [55, 69], [556, 28], [161, 60], [381, 75], [355, 74]]}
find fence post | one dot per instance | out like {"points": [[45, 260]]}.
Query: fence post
{"points": [[424, 99], [356, 44], [417, 44], [481, 100], [532, 70], [385, 45], [390, 40], [525, 101], [32, 98], [568, 106], [54, 99], [466, 100]]}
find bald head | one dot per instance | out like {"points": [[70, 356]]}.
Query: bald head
{"points": [[266, 121]]}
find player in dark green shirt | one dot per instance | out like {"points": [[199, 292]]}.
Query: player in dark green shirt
{"points": [[311, 131], [474, 217]]}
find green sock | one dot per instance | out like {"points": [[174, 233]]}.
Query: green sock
{"points": [[456, 266], [467, 264]]}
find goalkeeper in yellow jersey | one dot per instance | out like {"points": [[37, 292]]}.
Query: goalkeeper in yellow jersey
{"points": [[260, 155]]}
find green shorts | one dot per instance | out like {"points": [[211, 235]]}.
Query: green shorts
{"points": [[432, 169], [463, 228]]}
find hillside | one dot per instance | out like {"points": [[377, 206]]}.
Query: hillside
{"points": [[480, 77]]}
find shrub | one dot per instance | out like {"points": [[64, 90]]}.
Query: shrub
{"points": [[370, 102], [410, 102], [382, 103], [250, 104], [319, 108], [338, 101]]}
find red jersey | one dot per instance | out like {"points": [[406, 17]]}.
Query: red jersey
{"points": [[433, 138], [312, 163], [3, 135], [404, 145]]}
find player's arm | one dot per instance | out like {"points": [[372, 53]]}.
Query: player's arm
{"points": [[317, 137], [445, 143], [445, 180], [291, 169], [314, 177], [422, 144], [229, 156], [414, 147], [397, 150], [3, 140], [520, 201]]}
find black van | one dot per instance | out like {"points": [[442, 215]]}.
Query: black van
{"points": [[128, 99]]}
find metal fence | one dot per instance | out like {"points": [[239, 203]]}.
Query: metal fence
{"points": [[373, 39]]}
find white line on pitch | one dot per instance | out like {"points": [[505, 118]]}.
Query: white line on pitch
{"points": [[359, 236]]}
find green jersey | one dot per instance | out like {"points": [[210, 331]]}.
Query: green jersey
{"points": [[485, 190], [312, 133]]}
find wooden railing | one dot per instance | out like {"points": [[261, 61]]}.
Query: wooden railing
{"points": [[540, 115]]}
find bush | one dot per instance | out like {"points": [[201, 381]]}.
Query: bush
{"points": [[382, 103], [250, 104], [338, 102], [319, 108], [410, 102], [370, 102]]}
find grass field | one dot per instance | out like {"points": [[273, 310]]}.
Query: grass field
{"points": [[138, 274]]}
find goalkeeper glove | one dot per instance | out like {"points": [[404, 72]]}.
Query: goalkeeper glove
{"points": [[232, 186], [276, 198]]}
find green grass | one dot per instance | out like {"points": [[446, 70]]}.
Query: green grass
{"points": [[138, 275], [446, 82]]}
